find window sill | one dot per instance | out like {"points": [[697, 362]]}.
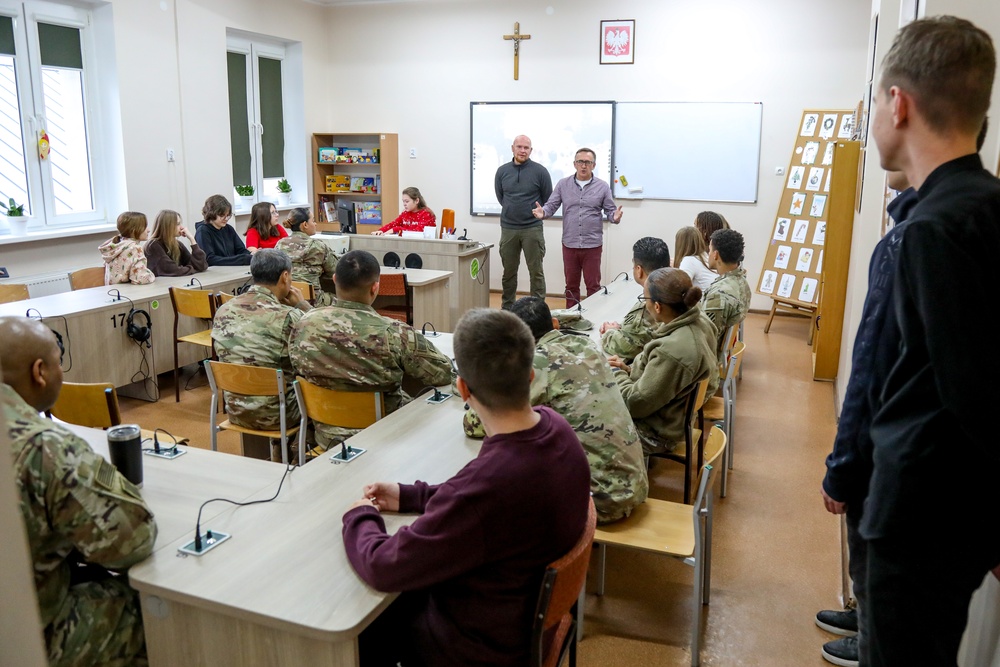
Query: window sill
{"points": [[48, 233], [280, 209]]}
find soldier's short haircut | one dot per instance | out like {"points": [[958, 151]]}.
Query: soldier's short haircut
{"points": [[535, 313], [494, 351], [947, 64], [267, 266], [651, 253], [729, 243], [357, 268]]}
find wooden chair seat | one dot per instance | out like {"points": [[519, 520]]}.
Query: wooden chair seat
{"points": [[660, 526], [203, 338], [227, 425]]}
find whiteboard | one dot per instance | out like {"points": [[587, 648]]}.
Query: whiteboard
{"points": [[703, 151], [556, 129]]}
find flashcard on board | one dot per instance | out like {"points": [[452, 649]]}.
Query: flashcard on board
{"points": [[799, 231], [818, 206], [798, 203], [787, 285], [815, 179], [781, 259], [809, 152], [819, 236], [804, 261], [819, 262], [795, 176], [767, 284], [846, 126], [828, 153], [809, 125], [808, 291], [781, 229], [826, 188], [828, 126]]}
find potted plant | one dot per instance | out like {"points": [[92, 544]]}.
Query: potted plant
{"points": [[15, 217], [284, 193], [246, 195]]}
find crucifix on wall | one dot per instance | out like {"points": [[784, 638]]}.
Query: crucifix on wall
{"points": [[517, 37]]}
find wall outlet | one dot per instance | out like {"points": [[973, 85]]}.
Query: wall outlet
{"points": [[3, 272], [413, 153], [779, 171]]}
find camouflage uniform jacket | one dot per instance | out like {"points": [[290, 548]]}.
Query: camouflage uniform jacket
{"points": [[573, 378], [253, 329], [726, 301], [680, 355], [350, 347], [74, 504], [311, 258], [636, 330]]}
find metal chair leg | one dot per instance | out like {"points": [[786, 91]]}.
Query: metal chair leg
{"points": [[602, 550]]}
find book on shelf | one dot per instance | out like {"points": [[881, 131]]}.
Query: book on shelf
{"points": [[362, 184], [368, 212], [338, 183], [330, 210]]}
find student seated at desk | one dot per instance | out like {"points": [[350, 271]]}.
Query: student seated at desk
{"points": [[221, 243], [311, 259], [165, 255], [573, 378], [124, 260], [470, 567], [350, 347], [253, 330], [691, 256], [709, 222], [627, 339], [264, 230], [727, 300], [680, 354], [82, 518], [414, 218]]}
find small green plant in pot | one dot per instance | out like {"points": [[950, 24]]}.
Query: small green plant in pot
{"points": [[284, 193], [15, 217], [246, 195]]}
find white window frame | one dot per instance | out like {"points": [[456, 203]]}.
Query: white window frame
{"points": [[28, 70], [293, 123]]}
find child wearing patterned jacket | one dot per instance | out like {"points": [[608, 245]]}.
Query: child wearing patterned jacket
{"points": [[414, 218], [124, 259]]}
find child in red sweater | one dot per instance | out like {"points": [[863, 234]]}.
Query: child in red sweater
{"points": [[414, 218]]}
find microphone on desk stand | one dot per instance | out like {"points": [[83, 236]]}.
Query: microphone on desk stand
{"points": [[605, 288], [579, 306], [117, 294], [464, 236], [192, 283], [423, 330], [623, 273]]}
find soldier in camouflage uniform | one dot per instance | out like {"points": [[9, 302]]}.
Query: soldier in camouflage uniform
{"points": [[350, 347], [311, 258], [627, 339], [253, 329], [82, 517], [573, 378], [727, 300]]}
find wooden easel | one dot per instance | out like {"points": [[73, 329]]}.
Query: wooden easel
{"points": [[797, 309]]}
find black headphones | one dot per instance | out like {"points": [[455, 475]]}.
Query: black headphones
{"points": [[140, 333]]}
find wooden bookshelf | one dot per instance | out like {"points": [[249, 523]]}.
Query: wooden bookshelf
{"points": [[387, 169]]}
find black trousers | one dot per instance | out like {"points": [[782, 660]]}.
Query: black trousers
{"points": [[391, 638], [918, 595]]}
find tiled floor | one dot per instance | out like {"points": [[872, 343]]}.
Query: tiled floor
{"points": [[776, 554]]}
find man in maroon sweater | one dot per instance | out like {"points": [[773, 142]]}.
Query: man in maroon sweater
{"points": [[470, 567]]}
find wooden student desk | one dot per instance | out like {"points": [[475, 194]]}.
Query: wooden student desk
{"points": [[175, 489], [281, 590], [431, 294], [611, 306]]}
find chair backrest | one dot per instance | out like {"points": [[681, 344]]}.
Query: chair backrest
{"points": [[447, 222], [88, 404], [193, 302], [224, 297], [553, 627], [84, 278], [13, 292], [347, 409], [245, 380], [307, 289], [392, 284]]}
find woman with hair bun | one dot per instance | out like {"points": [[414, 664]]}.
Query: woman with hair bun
{"points": [[311, 258], [681, 354]]}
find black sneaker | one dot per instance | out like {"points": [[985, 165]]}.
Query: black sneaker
{"points": [[843, 652], [843, 622]]}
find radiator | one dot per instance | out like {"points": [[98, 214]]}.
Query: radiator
{"points": [[49, 283]]}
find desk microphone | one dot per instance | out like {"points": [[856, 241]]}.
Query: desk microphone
{"points": [[192, 283], [623, 273], [117, 294], [579, 306], [423, 330], [464, 236], [605, 288]]}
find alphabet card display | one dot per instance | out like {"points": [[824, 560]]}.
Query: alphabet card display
{"points": [[792, 271]]}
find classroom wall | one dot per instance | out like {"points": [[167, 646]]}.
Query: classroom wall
{"points": [[433, 58]]}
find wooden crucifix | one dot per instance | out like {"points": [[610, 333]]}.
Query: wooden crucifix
{"points": [[517, 37]]}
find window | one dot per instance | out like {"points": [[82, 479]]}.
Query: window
{"points": [[263, 75], [49, 138]]}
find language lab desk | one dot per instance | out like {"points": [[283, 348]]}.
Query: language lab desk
{"points": [[281, 591], [467, 260], [93, 324], [611, 306]]}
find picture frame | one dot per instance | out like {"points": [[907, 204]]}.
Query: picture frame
{"points": [[617, 44]]}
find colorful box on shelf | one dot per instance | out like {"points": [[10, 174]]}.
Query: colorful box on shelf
{"points": [[338, 183], [362, 184], [327, 155]]}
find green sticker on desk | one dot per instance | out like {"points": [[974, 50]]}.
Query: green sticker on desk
{"points": [[474, 268], [154, 304]]}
